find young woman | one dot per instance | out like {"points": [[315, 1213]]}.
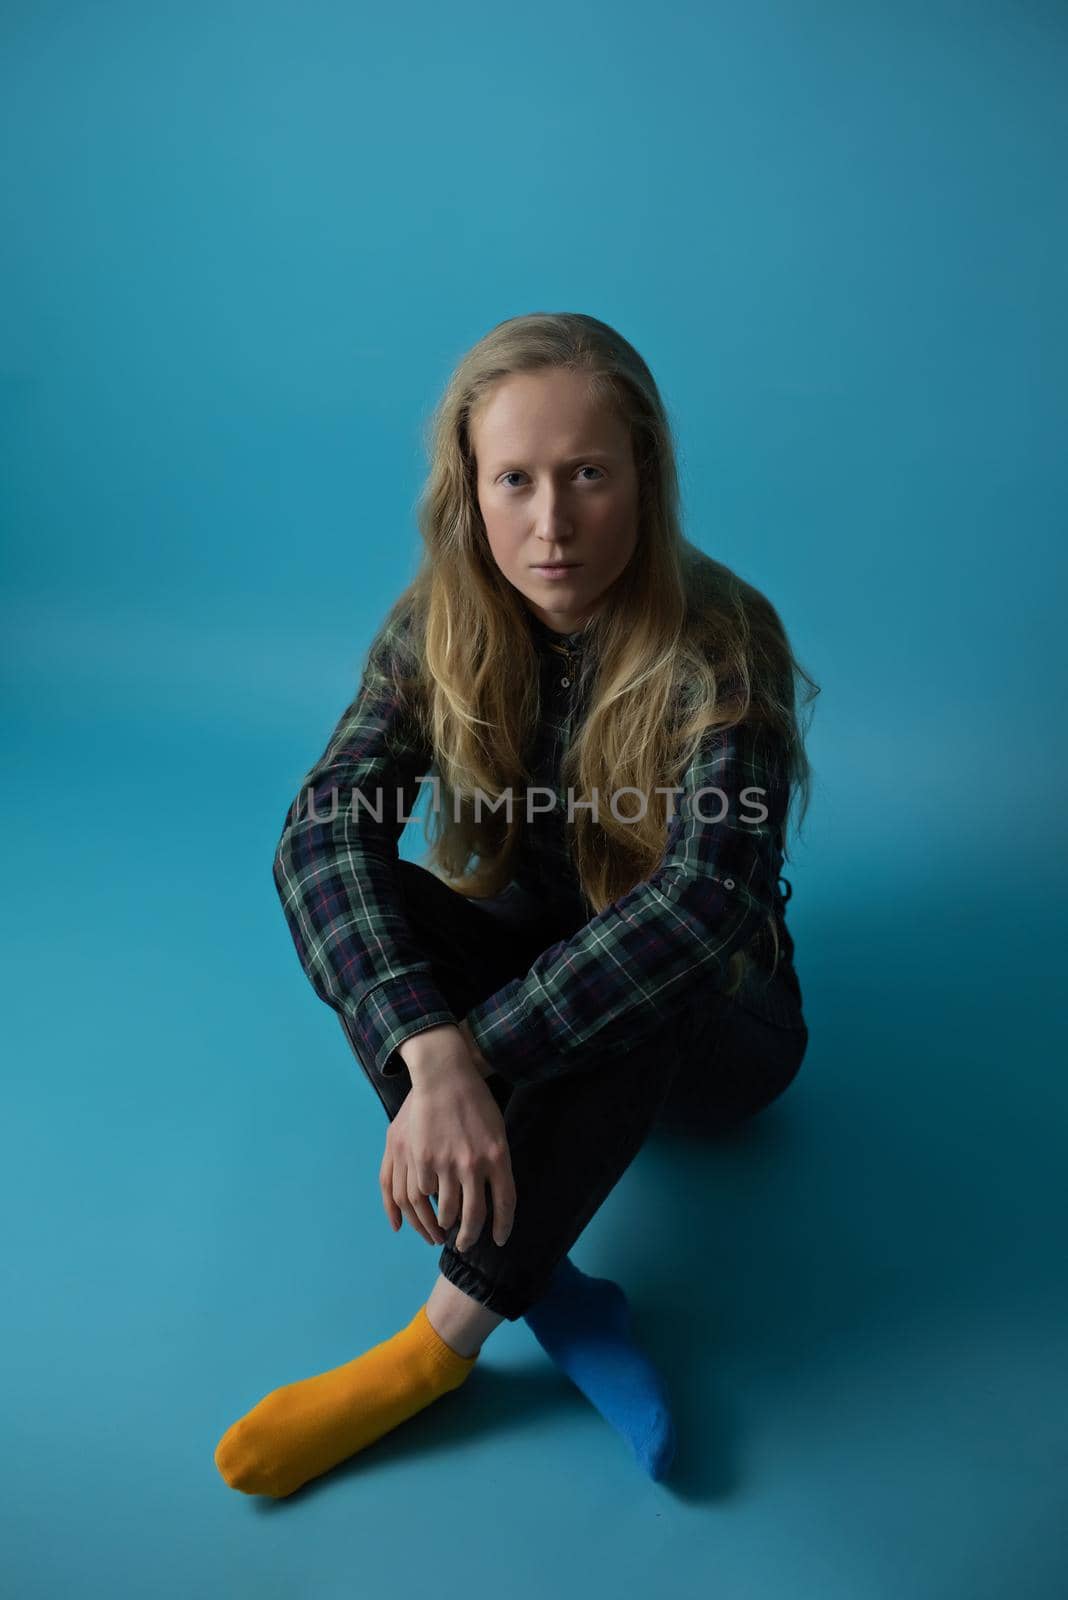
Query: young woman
{"points": [[606, 722]]}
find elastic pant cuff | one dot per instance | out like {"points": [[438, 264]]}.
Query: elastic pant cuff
{"points": [[503, 1298]]}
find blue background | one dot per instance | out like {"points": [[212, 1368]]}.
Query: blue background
{"points": [[243, 246]]}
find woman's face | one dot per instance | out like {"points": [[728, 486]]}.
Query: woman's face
{"points": [[556, 483]]}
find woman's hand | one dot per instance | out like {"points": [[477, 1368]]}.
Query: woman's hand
{"points": [[448, 1140], [484, 1068]]}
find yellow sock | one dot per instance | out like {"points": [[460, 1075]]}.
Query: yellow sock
{"points": [[303, 1429]]}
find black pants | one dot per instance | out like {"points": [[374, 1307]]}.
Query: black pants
{"points": [[571, 1138]]}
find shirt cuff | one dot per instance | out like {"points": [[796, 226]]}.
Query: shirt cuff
{"points": [[395, 1010], [513, 1035]]}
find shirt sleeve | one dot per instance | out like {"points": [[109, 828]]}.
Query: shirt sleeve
{"points": [[633, 967], [335, 869]]}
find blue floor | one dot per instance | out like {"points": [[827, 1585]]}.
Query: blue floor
{"points": [[244, 249], [859, 1299]]}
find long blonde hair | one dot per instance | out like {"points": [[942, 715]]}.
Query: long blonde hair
{"points": [[681, 644]]}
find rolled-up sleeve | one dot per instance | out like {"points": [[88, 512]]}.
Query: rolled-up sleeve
{"points": [[335, 868], [632, 968]]}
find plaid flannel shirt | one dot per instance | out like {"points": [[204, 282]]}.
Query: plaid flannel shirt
{"points": [[623, 974]]}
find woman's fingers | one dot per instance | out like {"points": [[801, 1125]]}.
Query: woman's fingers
{"points": [[385, 1183], [502, 1189], [406, 1196], [448, 1200], [404, 1204], [412, 1204], [419, 1200], [413, 1220], [474, 1210]]}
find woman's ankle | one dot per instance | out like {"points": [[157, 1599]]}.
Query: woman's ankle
{"points": [[461, 1321]]}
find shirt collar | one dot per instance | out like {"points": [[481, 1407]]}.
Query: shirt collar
{"points": [[547, 637]]}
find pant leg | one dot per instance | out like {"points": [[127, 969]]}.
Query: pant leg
{"points": [[571, 1138], [740, 1057]]}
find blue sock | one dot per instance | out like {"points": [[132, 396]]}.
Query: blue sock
{"points": [[583, 1324]]}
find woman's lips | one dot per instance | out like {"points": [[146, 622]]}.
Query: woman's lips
{"points": [[558, 571]]}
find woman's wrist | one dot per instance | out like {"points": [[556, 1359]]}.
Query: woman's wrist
{"points": [[447, 1046], [432, 1050], [477, 1057]]}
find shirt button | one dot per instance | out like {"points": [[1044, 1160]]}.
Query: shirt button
{"points": [[565, 683], [728, 883]]}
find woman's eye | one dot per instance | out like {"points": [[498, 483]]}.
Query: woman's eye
{"points": [[505, 476]]}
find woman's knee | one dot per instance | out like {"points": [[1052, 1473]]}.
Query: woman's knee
{"points": [[732, 1072], [772, 1068]]}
